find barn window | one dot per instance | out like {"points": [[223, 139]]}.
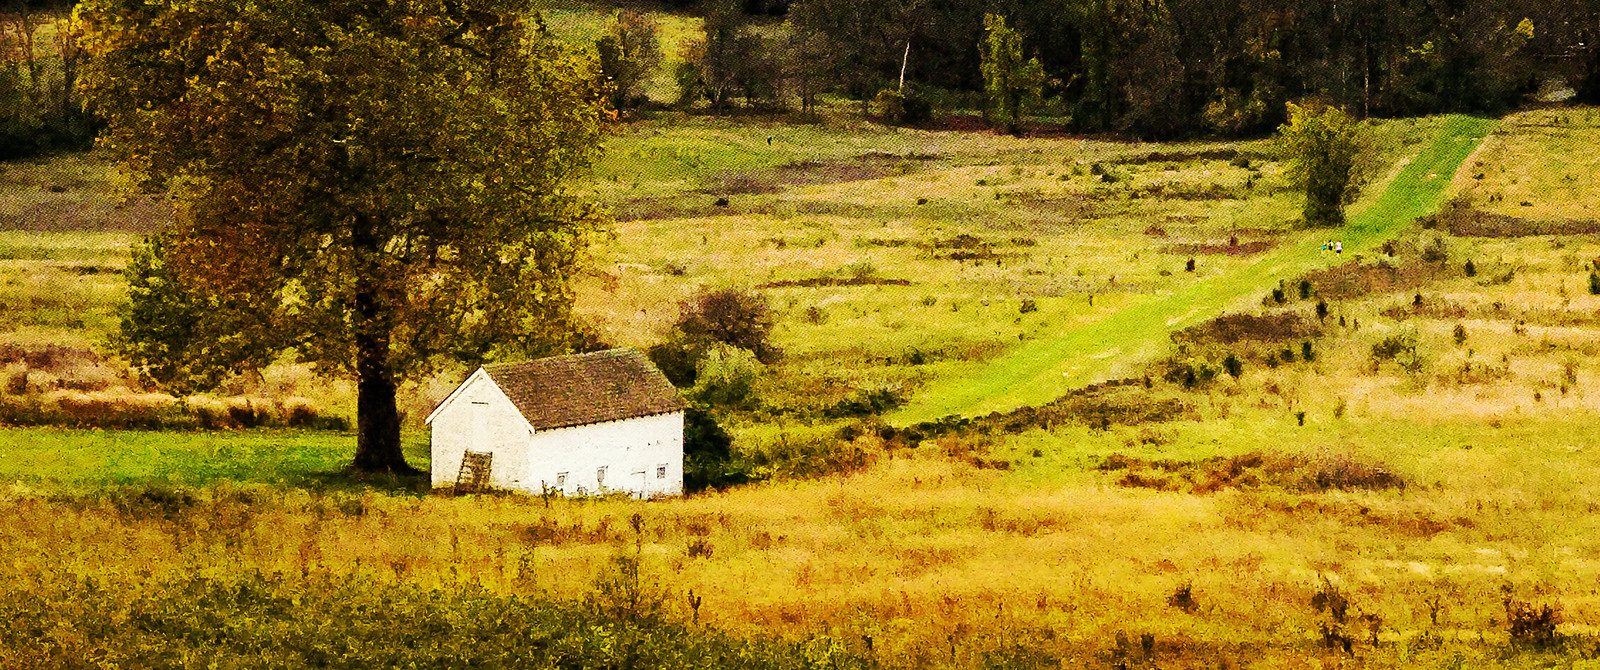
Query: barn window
{"points": [[661, 471], [561, 480], [600, 476]]}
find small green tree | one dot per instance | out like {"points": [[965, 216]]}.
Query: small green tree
{"points": [[708, 457], [1014, 86], [629, 54], [726, 376], [1322, 145], [164, 327]]}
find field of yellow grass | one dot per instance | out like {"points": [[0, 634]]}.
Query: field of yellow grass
{"points": [[923, 561]]}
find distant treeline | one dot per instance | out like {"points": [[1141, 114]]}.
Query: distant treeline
{"points": [[1164, 68], [39, 59], [1153, 68]]}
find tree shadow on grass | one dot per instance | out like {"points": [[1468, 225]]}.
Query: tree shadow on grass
{"points": [[351, 480]]}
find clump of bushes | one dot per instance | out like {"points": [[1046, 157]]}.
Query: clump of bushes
{"points": [[155, 411], [730, 316], [708, 458], [1401, 348], [1251, 471], [867, 402], [1532, 626], [901, 107]]}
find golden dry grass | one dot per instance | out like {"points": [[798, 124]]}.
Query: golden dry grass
{"points": [[939, 563]]}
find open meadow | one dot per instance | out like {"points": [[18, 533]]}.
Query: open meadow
{"points": [[1184, 436]]}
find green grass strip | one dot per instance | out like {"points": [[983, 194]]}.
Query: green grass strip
{"points": [[1125, 341]]}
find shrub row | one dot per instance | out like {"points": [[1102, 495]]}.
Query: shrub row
{"points": [[159, 412]]}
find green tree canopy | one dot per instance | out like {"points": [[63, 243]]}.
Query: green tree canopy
{"points": [[1321, 145], [629, 53], [1013, 85], [375, 187]]}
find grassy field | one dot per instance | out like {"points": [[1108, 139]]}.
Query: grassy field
{"points": [[1124, 341], [55, 460], [1407, 495]]}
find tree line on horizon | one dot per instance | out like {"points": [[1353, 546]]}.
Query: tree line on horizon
{"points": [[40, 109], [1152, 68], [1159, 68]]}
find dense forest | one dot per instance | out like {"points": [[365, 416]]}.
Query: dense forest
{"points": [[1151, 68], [1178, 67], [39, 58]]}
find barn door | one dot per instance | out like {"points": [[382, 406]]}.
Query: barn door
{"points": [[639, 479]]}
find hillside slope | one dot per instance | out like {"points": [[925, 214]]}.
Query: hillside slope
{"points": [[1124, 341]]}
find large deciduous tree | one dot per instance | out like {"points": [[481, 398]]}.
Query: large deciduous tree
{"points": [[373, 186]]}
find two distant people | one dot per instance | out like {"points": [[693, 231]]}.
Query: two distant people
{"points": [[1336, 246]]}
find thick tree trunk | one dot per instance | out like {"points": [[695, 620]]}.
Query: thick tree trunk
{"points": [[1589, 88], [377, 418]]}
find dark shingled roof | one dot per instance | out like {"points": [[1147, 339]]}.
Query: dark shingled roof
{"points": [[586, 388]]}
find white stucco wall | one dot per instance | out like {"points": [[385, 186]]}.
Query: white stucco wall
{"points": [[481, 418], [633, 451]]}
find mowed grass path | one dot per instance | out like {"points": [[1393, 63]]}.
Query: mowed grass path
{"points": [[1121, 344]]}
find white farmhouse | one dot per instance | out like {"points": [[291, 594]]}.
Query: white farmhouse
{"points": [[606, 421]]}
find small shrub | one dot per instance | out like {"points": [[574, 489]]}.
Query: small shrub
{"points": [[861, 271], [1435, 251], [1233, 366], [1470, 269], [1190, 376], [1532, 626], [815, 315], [1306, 354], [1183, 598], [1305, 290], [1594, 283], [246, 415], [901, 107], [1388, 348], [1028, 305], [1331, 599], [699, 548], [1459, 334]]}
